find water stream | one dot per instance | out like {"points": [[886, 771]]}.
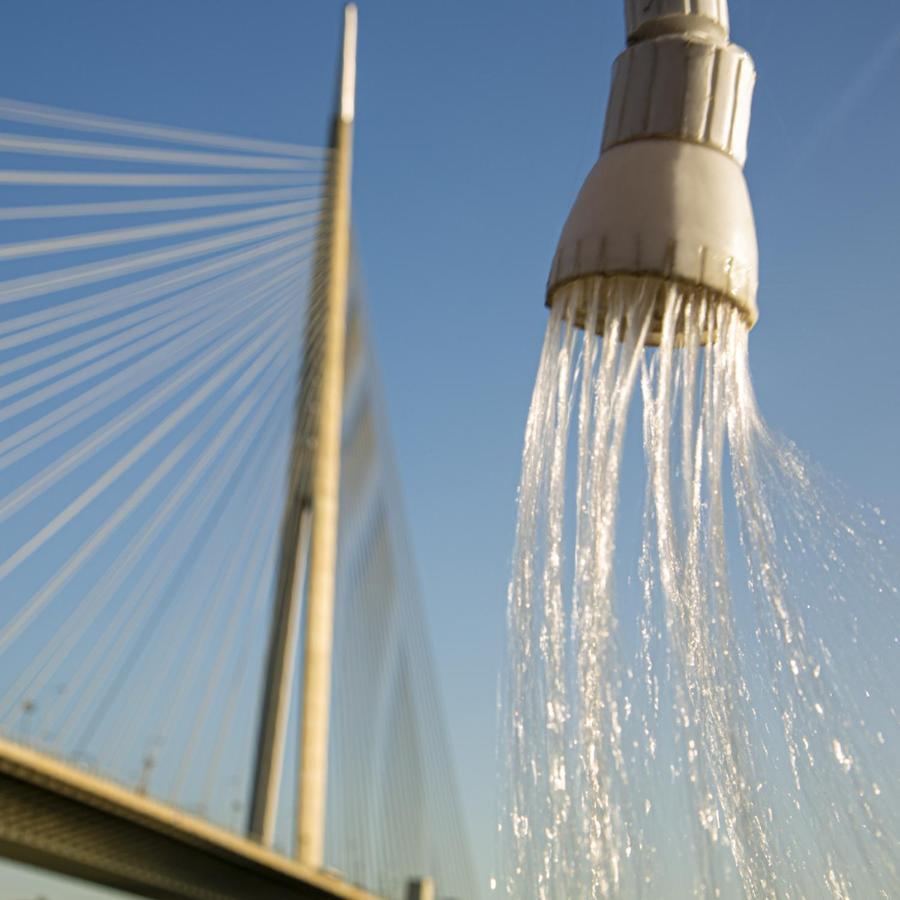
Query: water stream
{"points": [[700, 700]]}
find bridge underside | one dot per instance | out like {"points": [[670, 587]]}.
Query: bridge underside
{"points": [[62, 819]]}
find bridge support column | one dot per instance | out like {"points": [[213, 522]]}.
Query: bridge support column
{"points": [[310, 524], [280, 670], [313, 775]]}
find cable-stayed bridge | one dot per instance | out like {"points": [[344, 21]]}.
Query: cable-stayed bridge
{"points": [[215, 679]]}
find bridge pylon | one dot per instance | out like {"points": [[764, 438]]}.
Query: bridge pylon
{"points": [[308, 543]]}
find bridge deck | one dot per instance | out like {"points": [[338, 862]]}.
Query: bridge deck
{"points": [[61, 818]]}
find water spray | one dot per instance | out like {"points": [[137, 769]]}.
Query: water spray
{"points": [[694, 730], [667, 202]]}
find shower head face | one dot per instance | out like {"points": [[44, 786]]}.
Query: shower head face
{"points": [[589, 302]]}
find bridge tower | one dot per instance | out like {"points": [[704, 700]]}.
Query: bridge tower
{"points": [[308, 543]]}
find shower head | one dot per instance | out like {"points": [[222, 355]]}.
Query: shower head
{"points": [[667, 203]]}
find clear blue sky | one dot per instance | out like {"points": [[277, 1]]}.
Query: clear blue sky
{"points": [[477, 122]]}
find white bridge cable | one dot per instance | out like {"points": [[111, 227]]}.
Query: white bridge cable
{"points": [[62, 178], [24, 144], [25, 615], [172, 385], [359, 820], [85, 697], [117, 425], [163, 204], [179, 533], [156, 324], [151, 322], [441, 795], [204, 540], [35, 387], [116, 332], [138, 233], [187, 346], [111, 699], [65, 314], [238, 682], [174, 669], [244, 612], [28, 286], [159, 590], [69, 360], [85, 373], [394, 808], [53, 117], [44, 666], [66, 422], [148, 305]]}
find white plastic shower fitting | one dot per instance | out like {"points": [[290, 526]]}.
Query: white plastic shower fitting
{"points": [[667, 200]]}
